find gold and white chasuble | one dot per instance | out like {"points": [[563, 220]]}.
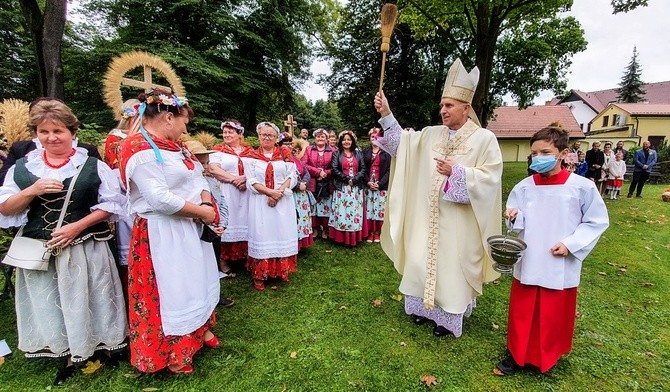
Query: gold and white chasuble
{"points": [[439, 247]]}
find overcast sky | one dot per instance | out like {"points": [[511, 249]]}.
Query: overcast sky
{"points": [[610, 38]]}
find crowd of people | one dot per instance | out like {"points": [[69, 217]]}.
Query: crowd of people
{"points": [[607, 167], [233, 204], [222, 205]]}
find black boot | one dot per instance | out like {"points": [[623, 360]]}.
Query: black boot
{"points": [[64, 374]]}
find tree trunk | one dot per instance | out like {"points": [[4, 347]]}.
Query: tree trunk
{"points": [[55, 15], [485, 42], [47, 31], [34, 24]]}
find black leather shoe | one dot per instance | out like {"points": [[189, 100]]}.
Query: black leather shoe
{"points": [[506, 367], [440, 331], [226, 302], [418, 320], [64, 374]]}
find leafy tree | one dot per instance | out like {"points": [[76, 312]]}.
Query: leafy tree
{"points": [[627, 5], [520, 46], [16, 65], [236, 58], [630, 88], [327, 115], [356, 64]]}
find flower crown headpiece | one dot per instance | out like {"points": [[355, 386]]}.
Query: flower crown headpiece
{"points": [[267, 124], [162, 99], [318, 131], [129, 112], [236, 125], [347, 132]]}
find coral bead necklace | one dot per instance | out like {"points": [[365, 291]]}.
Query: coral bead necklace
{"points": [[49, 164]]}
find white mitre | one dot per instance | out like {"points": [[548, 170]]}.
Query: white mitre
{"points": [[461, 85]]}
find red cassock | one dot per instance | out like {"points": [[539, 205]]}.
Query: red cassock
{"points": [[541, 324]]}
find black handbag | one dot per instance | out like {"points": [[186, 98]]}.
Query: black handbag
{"points": [[322, 189], [208, 235]]}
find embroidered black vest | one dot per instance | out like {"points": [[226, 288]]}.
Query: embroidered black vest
{"points": [[44, 210]]}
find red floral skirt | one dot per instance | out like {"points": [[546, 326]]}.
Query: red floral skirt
{"points": [[276, 267], [150, 349], [231, 251]]}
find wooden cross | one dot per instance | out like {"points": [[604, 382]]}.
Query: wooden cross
{"points": [[145, 84], [290, 124]]}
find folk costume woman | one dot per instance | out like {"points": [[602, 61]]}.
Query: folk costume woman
{"points": [[273, 232], [76, 307], [349, 175], [302, 196], [173, 279], [228, 166], [378, 163], [317, 159]]}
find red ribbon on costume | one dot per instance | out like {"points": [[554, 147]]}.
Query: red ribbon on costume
{"points": [[246, 153], [136, 143], [281, 153]]}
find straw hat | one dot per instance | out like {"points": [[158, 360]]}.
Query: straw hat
{"points": [[300, 144], [197, 148]]}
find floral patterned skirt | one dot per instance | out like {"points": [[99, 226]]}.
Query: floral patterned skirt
{"points": [[150, 349], [346, 219], [322, 207], [276, 267], [231, 251], [304, 214]]}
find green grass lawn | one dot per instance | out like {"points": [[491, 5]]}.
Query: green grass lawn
{"points": [[322, 331]]}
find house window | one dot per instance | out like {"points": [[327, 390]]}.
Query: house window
{"points": [[606, 120], [615, 119]]}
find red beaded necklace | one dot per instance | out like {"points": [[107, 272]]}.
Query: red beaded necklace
{"points": [[46, 161]]}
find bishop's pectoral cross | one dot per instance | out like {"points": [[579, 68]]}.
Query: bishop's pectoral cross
{"points": [[145, 84], [290, 124]]}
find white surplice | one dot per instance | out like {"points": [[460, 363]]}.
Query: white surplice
{"points": [[572, 213]]}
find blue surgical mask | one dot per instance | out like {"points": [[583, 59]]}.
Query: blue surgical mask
{"points": [[543, 163]]}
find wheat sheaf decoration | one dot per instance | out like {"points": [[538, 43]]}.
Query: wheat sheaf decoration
{"points": [[207, 139], [115, 77], [13, 122]]}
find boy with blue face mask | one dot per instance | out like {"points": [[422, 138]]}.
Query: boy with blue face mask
{"points": [[560, 215]]}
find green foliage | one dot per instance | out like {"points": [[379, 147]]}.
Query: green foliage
{"points": [[356, 65], [342, 342], [630, 88], [535, 56], [619, 6], [92, 133], [17, 70]]}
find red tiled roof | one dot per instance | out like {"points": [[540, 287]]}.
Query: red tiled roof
{"points": [[645, 109], [511, 123], [591, 100], [655, 93]]}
